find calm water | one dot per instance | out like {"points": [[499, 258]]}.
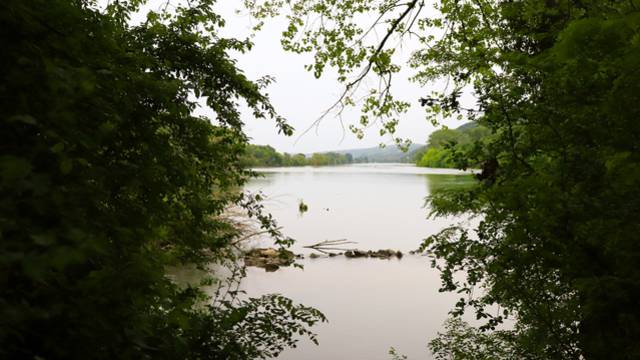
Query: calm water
{"points": [[371, 304]]}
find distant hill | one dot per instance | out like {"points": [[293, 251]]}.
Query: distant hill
{"points": [[390, 153], [467, 126]]}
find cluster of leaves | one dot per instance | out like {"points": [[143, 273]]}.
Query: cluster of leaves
{"points": [[557, 246], [557, 84], [449, 148], [463, 342], [106, 178], [395, 355], [332, 31], [265, 155], [262, 328]]}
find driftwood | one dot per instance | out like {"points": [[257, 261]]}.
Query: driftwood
{"points": [[327, 246]]}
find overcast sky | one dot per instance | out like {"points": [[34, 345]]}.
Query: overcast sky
{"points": [[301, 98]]}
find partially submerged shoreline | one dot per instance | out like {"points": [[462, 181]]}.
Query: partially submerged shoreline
{"points": [[272, 259]]}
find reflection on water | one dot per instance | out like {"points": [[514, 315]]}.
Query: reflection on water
{"points": [[371, 304], [448, 182]]}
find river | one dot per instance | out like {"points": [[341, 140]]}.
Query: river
{"points": [[371, 304]]}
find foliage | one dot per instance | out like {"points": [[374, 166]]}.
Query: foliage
{"points": [[260, 327], [330, 158], [395, 356], [337, 40], [557, 84], [447, 147], [293, 160], [106, 178], [463, 342], [265, 155], [437, 158], [556, 247], [262, 155]]}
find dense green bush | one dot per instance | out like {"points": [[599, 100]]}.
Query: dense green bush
{"points": [[447, 147], [106, 178]]}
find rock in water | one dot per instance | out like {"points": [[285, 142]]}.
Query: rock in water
{"points": [[270, 259], [271, 267], [355, 254], [379, 254]]}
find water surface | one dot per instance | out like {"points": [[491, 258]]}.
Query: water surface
{"points": [[371, 304]]}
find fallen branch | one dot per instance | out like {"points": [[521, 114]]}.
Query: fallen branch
{"points": [[327, 246]]}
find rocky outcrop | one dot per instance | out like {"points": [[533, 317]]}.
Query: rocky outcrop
{"points": [[380, 254], [355, 254], [268, 258], [272, 259]]}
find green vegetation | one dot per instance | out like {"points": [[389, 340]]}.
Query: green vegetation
{"points": [[265, 155], [322, 159], [463, 342], [447, 146], [106, 179], [557, 85], [558, 246]]}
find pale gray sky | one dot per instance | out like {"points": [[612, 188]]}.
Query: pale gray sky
{"points": [[301, 98]]}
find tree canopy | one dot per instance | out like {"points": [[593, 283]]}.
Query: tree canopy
{"points": [[107, 178], [265, 155], [557, 85], [447, 147]]}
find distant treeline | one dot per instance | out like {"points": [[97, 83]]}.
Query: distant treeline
{"points": [[265, 155], [445, 143]]}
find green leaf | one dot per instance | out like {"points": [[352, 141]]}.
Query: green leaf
{"points": [[14, 168], [66, 165]]}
